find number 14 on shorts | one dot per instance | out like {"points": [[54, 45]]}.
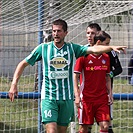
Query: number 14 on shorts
{"points": [[47, 113]]}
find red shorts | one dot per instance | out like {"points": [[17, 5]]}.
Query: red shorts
{"points": [[89, 111]]}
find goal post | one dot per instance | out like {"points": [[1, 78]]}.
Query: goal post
{"points": [[37, 95]]}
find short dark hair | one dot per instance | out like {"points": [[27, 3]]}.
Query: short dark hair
{"points": [[100, 36], [95, 25], [61, 22], [106, 35]]}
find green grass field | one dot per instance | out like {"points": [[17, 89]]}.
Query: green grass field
{"points": [[21, 116]]}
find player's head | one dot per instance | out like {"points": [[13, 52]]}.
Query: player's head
{"points": [[59, 31], [60, 22], [100, 38], [91, 31], [108, 38]]}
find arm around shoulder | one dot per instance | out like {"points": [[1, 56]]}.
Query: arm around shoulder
{"points": [[98, 49]]}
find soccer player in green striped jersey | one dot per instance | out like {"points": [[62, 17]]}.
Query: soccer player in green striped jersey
{"points": [[58, 59]]}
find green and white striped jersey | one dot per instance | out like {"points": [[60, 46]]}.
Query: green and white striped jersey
{"points": [[58, 65]]}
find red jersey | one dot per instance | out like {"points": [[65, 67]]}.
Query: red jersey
{"points": [[92, 81]]}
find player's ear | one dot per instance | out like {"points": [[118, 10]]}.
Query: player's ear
{"points": [[66, 32], [98, 42]]}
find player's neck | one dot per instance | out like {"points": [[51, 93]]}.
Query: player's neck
{"points": [[59, 45], [96, 54], [91, 44]]}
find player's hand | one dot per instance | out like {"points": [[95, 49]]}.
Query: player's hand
{"points": [[13, 92], [110, 97], [119, 48], [78, 102]]}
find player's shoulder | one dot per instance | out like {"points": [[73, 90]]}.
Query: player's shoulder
{"points": [[82, 58], [105, 55], [71, 44], [112, 53], [48, 43]]}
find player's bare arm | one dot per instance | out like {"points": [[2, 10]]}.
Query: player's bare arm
{"points": [[98, 49], [18, 72], [109, 89], [76, 90]]}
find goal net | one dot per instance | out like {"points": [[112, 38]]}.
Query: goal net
{"points": [[24, 23]]}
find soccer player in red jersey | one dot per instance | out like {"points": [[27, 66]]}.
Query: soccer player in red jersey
{"points": [[115, 65], [95, 89]]}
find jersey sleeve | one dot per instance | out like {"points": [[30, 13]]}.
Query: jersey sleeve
{"points": [[80, 50], [79, 65], [115, 64], [35, 55]]}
